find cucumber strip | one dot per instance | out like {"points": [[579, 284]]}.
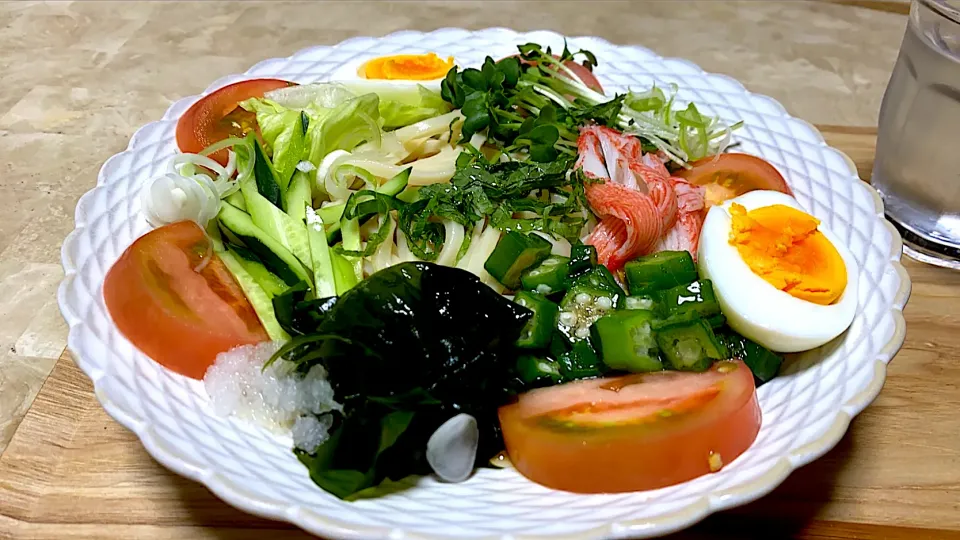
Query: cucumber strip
{"points": [[396, 184], [268, 183], [261, 302], [350, 229], [323, 272], [277, 258], [236, 199], [278, 225], [410, 194], [268, 281], [333, 233], [332, 213], [298, 196], [343, 273]]}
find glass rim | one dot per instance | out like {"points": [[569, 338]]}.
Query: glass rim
{"points": [[944, 10]]}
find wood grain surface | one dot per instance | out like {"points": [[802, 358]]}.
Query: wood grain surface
{"points": [[890, 6], [71, 472]]}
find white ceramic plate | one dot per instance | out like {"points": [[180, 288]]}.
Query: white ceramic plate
{"points": [[805, 411]]}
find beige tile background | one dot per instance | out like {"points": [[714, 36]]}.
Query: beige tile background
{"points": [[78, 78]]}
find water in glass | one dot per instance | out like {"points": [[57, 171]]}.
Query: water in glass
{"points": [[917, 167]]}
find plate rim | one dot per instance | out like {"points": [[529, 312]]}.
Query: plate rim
{"points": [[315, 523]]}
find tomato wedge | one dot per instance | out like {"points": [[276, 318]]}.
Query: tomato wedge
{"points": [[216, 116], [729, 175], [175, 300], [635, 432]]}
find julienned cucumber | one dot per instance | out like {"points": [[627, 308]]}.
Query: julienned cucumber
{"points": [[324, 279], [350, 230], [343, 273], [298, 196], [332, 213], [277, 258], [280, 226], [258, 298], [268, 183], [236, 199], [268, 281], [395, 185], [409, 195]]}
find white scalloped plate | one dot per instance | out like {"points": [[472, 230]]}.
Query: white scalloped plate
{"points": [[805, 411]]}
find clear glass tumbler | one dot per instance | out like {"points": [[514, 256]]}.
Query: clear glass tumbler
{"points": [[917, 167]]}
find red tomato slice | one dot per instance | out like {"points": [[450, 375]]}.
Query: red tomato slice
{"points": [[634, 432], [585, 74], [179, 316], [216, 117], [730, 175]]}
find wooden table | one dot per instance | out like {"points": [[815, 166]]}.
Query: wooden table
{"points": [[70, 472]]}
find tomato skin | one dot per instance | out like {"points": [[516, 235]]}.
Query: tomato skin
{"points": [[179, 317], [203, 123], [729, 175], [648, 452]]}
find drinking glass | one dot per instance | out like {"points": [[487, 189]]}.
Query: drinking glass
{"points": [[917, 166]]}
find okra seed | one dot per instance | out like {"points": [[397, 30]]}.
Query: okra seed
{"points": [[604, 302], [582, 298], [568, 318], [582, 332]]}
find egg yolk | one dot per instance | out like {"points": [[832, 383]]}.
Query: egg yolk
{"points": [[415, 67], [783, 246]]}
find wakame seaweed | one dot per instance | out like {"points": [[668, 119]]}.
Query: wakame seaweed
{"points": [[405, 350]]}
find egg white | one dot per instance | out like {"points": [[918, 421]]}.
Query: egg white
{"points": [[758, 310], [348, 72]]}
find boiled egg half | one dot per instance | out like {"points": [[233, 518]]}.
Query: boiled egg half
{"points": [[398, 70], [781, 278]]}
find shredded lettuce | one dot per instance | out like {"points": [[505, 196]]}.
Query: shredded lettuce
{"points": [[333, 121], [284, 132], [694, 139], [401, 105], [343, 127], [326, 95]]}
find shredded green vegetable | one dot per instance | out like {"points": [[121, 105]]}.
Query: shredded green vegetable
{"points": [[538, 107]]}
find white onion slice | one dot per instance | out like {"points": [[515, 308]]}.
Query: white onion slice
{"points": [[171, 198], [451, 244]]}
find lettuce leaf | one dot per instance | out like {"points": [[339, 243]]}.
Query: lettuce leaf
{"points": [[342, 127], [401, 105], [284, 132], [327, 95]]}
